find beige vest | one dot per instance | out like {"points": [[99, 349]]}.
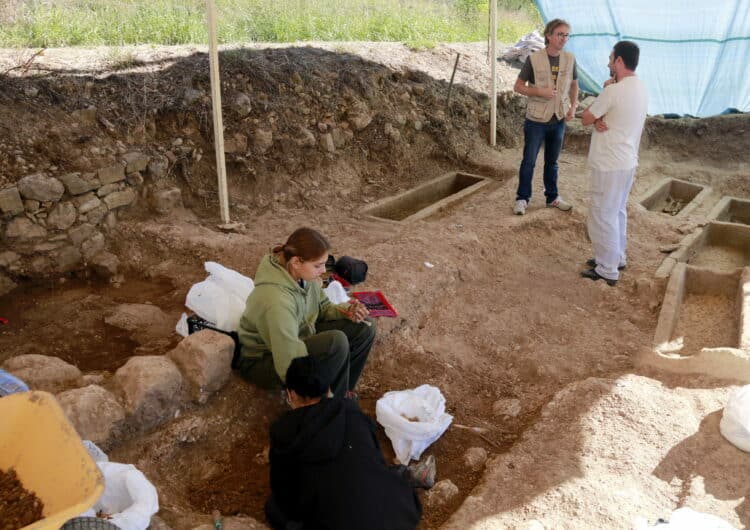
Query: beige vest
{"points": [[541, 109]]}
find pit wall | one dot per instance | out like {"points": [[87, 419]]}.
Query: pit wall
{"points": [[56, 224], [729, 362]]}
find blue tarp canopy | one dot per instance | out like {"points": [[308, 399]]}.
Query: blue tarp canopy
{"points": [[695, 54]]}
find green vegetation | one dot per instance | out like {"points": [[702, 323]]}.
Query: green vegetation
{"points": [[419, 23]]}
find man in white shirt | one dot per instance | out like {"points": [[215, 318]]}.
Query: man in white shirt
{"points": [[618, 115]]}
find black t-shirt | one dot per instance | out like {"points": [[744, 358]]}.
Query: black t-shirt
{"points": [[527, 72]]}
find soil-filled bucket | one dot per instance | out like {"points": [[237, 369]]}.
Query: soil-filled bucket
{"points": [[40, 444]]}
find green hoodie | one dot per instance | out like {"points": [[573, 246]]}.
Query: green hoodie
{"points": [[280, 313]]}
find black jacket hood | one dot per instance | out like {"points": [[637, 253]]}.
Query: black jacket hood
{"points": [[315, 433]]}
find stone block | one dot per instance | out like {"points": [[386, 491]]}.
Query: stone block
{"points": [[86, 203], [77, 184], [205, 360], [65, 259], [105, 264], [10, 201], [151, 386], [107, 189], [80, 233], [22, 230], [119, 199], [95, 216], [62, 216], [110, 174], [136, 162], [94, 412], [92, 246], [39, 187], [42, 372]]}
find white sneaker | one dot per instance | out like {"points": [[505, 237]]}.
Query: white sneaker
{"points": [[520, 207], [560, 204]]}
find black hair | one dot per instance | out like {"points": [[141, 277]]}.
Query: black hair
{"points": [[629, 52], [306, 378]]}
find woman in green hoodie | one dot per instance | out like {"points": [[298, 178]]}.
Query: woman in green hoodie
{"points": [[288, 315]]}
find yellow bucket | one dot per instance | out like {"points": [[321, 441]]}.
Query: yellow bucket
{"points": [[38, 441]]}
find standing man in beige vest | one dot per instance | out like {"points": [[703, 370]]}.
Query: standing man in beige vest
{"points": [[550, 80]]}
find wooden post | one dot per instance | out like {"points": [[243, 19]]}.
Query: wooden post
{"points": [[493, 72], [213, 59]]}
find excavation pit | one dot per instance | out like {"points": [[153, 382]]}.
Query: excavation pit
{"points": [[702, 324], [731, 210], [721, 246], [426, 199], [674, 197]]}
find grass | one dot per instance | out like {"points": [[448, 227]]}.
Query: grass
{"points": [[418, 23]]}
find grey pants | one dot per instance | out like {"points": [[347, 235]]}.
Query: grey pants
{"points": [[341, 346]]}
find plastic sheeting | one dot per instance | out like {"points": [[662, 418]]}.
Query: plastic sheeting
{"points": [[695, 55]]}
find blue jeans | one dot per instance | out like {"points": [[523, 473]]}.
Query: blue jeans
{"points": [[534, 134]]}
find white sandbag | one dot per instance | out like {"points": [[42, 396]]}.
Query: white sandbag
{"points": [[525, 46], [229, 280], [689, 519], [412, 419], [221, 297], [129, 498], [735, 421], [336, 292]]}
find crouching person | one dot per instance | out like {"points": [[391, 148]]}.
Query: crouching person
{"points": [[327, 469]]}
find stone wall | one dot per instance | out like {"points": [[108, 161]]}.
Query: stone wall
{"points": [[52, 225]]}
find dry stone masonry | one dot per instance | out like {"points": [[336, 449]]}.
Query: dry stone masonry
{"points": [[55, 224]]}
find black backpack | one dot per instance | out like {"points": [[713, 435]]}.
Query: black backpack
{"points": [[351, 269]]}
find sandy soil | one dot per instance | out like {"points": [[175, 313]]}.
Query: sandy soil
{"points": [[502, 315]]}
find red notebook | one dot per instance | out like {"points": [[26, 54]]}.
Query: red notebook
{"points": [[377, 303]]}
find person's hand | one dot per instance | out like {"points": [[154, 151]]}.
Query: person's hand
{"points": [[570, 114], [600, 125], [609, 81], [357, 310], [547, 92]]}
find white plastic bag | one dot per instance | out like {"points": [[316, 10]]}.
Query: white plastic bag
{"points": [[129, 498], [413, 419], [525, 46], [336, 293], [689, 519], [735, 421], [221, 297]]}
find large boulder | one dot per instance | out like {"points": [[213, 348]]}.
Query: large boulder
{"points": [[205, 359], [151, 386], [22, 230], [77, 184], [62, 216], [39, 187], [42, 372], [94, 412]]}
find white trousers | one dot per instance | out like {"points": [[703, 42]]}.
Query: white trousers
{"points": [[608, 219]]}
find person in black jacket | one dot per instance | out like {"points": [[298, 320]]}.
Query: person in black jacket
{"points": [[327, 469]]}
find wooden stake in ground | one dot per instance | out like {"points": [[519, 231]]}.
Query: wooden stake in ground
{"points": [[213, 58], [493, 72]]}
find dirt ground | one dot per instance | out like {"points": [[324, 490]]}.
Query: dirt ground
{"points": [[542, 361]]}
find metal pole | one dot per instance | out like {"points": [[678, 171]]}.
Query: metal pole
{"points": [[213, 59], [493, 72]]}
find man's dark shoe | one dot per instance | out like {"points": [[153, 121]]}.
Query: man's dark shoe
{"points": [[592, 263], [591, 274]]}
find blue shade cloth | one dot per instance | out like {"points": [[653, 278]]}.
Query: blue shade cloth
{"points": [[10, 384], [695, 55]]}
